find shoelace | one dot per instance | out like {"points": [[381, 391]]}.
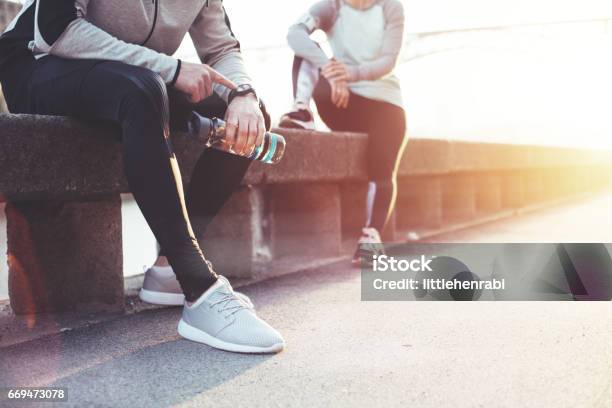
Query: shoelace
{"points": [[227, 305]]}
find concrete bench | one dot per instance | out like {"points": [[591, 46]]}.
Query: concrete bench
{"points": [[62, 179]]}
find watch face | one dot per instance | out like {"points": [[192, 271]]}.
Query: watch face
{"points": [[243, 87]]}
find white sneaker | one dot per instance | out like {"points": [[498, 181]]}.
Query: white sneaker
{"points": [[223, 320], [160, 287], [369, 244]]}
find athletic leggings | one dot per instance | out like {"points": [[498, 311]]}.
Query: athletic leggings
{"points": [[386, 126], [137, 101]]}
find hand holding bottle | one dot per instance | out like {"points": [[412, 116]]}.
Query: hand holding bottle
{"points": [[213, 133], [245, 127]]}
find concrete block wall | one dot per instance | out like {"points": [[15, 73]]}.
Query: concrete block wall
{"points": [[64, 211]]}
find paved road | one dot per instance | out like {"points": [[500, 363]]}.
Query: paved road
{"points": [[341, 352]]}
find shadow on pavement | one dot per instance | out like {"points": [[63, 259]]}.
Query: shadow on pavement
{"points": [[137, 360]]}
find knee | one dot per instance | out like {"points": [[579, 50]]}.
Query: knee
{"points": [[322, 91], [146, 93]]}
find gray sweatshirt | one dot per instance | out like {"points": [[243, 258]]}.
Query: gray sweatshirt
{"points": [[138, 32], [368, 41]]}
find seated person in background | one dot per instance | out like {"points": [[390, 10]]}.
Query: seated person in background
{"points": [[111, 60], [355, 90]]}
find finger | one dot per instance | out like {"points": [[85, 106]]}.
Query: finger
{"points": [[335, 68], [220, 79], [206, 85], [252, 138], [338, 68], [231, 128], [345, 100], [261, 131], [341, 99], [338, 76], [328, 71], [333, 96], [208, 89], [192, 92], [337, 95], [193, 95], [341, 75], [201, 90], [243, 136], [329, 64], [334, 92]]}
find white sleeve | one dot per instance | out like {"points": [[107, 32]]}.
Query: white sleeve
{"points": [[321, 16]]}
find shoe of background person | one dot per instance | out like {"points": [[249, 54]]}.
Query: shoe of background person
{"points": [[221, 319], [299, 118], [368, 245], [160, 287]]}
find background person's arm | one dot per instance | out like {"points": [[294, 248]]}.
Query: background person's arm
{"points": [[392, 45], [62, 29], [217, 46], [321, 16]]}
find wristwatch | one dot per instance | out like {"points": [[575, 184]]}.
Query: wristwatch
{"points": [[241, 90]]}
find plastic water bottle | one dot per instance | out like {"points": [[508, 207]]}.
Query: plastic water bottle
{"points": [[212, 132]]}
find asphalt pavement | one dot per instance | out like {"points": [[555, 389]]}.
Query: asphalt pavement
{"points": [[345, 352], [340, 352]]}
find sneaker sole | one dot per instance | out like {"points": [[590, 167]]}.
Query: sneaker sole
{"points": [[161, 298], [191, 333], [295, 124], [173, 299]]}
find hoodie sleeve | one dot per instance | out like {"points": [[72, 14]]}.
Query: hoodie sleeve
{"points": [[62, 29], [217, 46], [392, 45], [321, 16]]}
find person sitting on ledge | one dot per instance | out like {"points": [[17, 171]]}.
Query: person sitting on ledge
{"points": [[355, 91], [110, 60]]}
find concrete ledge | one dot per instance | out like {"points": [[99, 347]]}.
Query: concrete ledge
{"points": [[85, 158], [305, 220], [65, 254], [426, 156], [62, 179]]}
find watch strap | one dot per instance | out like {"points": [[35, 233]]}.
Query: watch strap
{"points": [[235, 92]]}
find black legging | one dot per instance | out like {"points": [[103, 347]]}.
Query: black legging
{"points": [[386, 126], [136, 99]]}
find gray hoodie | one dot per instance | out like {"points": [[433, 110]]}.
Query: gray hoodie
{"points": [[138, 32]]}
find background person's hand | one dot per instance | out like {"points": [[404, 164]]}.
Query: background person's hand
{"points": [[339, 93], [335, 70], [196, 81], [245, 127]]}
